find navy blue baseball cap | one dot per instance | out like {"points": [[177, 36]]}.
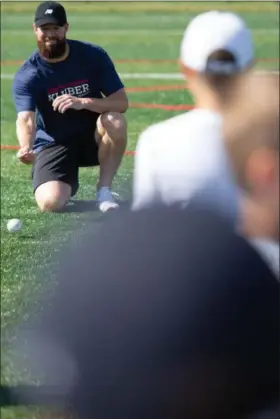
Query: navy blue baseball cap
{"points": [[50, 12]]}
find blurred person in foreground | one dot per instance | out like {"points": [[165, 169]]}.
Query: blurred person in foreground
{"points": [[183, 322], [184, 157], [251, 132], [70, 105]]}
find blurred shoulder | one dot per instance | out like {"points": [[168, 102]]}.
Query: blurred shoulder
{"points": [[28, 71]]}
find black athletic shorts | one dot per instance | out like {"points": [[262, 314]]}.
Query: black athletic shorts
{"points": [[62, 161]]}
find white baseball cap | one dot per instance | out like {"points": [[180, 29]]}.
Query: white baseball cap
{"points": [[212, 31]]}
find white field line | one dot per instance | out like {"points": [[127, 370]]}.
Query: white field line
{"points": [[142, 76], [136, 32]]}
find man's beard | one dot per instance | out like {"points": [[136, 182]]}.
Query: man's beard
{"points": [[52, 51]]}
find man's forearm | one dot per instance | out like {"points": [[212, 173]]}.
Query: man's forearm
{"points": [[105, 104], [25, 130]]}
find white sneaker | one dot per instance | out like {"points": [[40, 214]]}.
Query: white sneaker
{"points": [[105, 199]]}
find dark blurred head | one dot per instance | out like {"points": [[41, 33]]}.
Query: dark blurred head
{"points": [[163, 314]]}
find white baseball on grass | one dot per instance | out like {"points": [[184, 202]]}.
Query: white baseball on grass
{"points": [[14, 225]]}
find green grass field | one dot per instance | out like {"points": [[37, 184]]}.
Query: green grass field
{"points": [[132, 32]]}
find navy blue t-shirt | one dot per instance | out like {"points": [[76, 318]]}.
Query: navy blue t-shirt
{"points": [[87, 72]]}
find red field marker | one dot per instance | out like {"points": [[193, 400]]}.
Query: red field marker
{"points": [[154, 88], [160, 106], [9, 147], [16, 147]]}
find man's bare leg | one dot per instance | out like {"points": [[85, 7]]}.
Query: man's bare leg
{"points": [[111, 136], [52, 196]]}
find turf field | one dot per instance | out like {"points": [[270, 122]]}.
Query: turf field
{"points": [[143, 40]]}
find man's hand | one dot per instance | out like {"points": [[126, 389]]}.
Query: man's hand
{"points": [[64, 102], [25, 155]]}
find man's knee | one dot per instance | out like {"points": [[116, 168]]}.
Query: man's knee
{"points": [[114, 124], [52, 196], [50, 204]]}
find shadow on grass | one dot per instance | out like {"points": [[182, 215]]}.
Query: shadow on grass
{"points": [[80, 206]]}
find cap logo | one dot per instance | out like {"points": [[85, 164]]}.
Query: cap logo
{"points": [[48, 12]]}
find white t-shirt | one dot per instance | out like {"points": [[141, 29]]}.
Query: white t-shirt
{"points": [[182, 158]]}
